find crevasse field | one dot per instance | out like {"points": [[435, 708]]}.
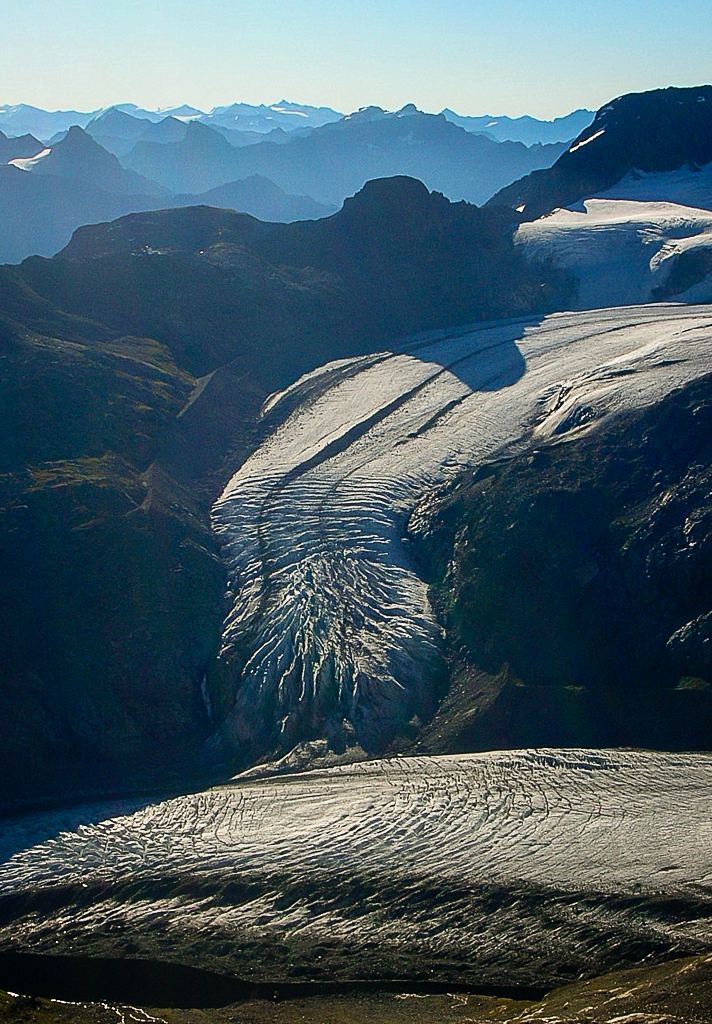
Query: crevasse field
{"points": [[526, 867], [339, 623]]}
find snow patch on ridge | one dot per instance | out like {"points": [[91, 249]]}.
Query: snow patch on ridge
{"points": [[585, 142], [27, 163]]}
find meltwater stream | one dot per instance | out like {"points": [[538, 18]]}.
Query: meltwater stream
{"points": [[330, 627]]}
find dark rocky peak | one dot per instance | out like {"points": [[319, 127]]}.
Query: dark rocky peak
{"points": [[21, 146], [660, 130], [398, 219], [650, 131], [389, 198]]}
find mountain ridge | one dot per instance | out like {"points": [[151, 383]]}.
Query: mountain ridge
{"points": [[336, 159], [263, 118], [660, 130], [526, 129]]}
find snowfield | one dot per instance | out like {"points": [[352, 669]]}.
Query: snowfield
{"points": [[684, 186], [520, 867], [329, 622], [620, 249]]}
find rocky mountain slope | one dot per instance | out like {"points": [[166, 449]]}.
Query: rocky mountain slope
{"points": [[574, 580], [132, 375], [657, 131]]}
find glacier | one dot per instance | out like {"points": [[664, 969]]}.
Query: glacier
{"points": [[330, 632], [519, 867], [620, 250]]}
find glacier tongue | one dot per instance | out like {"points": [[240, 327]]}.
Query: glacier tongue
{"points": [[330, 626]]}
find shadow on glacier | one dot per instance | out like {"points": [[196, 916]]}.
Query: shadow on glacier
{"points": [[484, 356], [19, 832]]}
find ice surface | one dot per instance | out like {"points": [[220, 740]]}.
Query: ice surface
{"points": [[328, 617], [620, 250], [521, 864]]}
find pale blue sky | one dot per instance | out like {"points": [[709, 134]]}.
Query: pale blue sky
{"points": [[544, 57]]}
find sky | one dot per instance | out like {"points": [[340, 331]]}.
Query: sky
{"points": [[541, 57]]}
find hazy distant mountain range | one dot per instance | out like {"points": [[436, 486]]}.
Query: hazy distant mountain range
{"points": [[245, 117], [333, 161], [301, 163], [45, 196], [528, 130]]}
